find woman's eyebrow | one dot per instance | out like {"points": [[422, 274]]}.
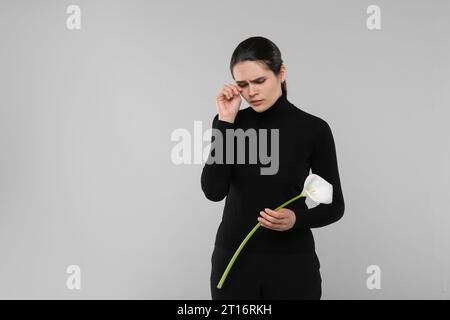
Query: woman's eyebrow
{"points": [[242, 81]]}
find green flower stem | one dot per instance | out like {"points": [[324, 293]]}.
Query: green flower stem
{"points": [[236, 254]]}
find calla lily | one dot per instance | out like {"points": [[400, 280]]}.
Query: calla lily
{"points": [[318, 189], [315, 187]]}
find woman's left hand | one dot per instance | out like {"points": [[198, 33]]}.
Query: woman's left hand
{"points": [[281, 220]]}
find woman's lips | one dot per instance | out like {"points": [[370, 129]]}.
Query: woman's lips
{"points": [[256, 102]]}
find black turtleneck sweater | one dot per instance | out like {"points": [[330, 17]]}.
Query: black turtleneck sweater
{"points": [[305, 142]]}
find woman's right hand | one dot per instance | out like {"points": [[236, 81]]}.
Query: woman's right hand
{"points": [[228, 102]]}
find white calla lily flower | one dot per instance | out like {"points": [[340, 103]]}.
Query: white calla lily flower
{"points": [[318, 189]]}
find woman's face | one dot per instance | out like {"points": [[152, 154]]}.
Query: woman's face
{"points": [[258, 83]]}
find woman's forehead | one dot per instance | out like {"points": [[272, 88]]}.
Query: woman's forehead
{"points": [[249, 72]]}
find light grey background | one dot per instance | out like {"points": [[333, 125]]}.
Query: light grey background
{"points": [[86, 117]]}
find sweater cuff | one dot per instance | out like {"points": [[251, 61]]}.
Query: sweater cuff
{"points": [[223, 125]]}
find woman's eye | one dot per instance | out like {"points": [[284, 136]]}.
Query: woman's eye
{"points": [[258, 82]]}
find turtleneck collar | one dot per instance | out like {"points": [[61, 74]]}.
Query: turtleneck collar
{"points": [[274, 109]]}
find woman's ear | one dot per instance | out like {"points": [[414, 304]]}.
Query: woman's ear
{"points": [[283, 72]]}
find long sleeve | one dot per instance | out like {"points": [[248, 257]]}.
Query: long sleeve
{"points": [[215, 177], [323, 163]]}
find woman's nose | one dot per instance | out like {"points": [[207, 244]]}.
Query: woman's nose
{"points": [[251, 90]]}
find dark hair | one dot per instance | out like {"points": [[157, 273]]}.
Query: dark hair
{"points": [[259, 49]]}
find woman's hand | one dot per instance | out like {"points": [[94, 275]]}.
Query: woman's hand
{"points": [[280, 220], [228, 102]]}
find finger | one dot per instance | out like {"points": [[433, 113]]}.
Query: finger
{"points": [[225, 92], [229, 92], [235, 89], [268, 224], [232, 90], [270, 218], [275, 214], [223, 96], [281, 214]]}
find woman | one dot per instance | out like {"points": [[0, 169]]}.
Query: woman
{"points": [[279, 261]]}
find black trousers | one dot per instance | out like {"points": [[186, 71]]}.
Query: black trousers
{"points": [[261, 276]]}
